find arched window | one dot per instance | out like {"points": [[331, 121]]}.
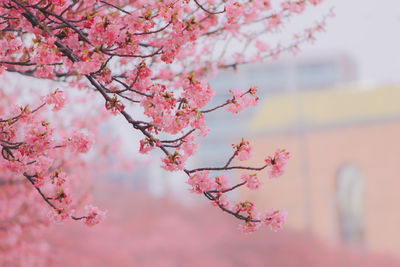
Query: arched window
{"points": [[350, 203]]}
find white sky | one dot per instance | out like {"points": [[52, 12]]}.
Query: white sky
{"points": [[369, 31]]}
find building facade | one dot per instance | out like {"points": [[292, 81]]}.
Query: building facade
{"points": [[343, 177]]}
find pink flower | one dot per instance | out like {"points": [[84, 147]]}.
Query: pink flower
{"points": [[262, 47], [188, 146], [250, 226], [278, 163], [201, 182], [59, 215], [245, 206], [251, 180], [197, 93], [241, 101], [233, 10], [94, 215], [80, 142], [41, 165], [200, 124], [62, 196], [222, 200], [275, 21], [315, 2], [244, 150], [174, 162], [222, 182], [57, 98], [275, 219], [58, 177], [115, 105], [146, 145], [87, 67], [296, 7]]}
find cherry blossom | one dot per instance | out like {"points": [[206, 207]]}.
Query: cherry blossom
{"points": [[244, 150], [57, 98], [94, 215], [149, 63], [278, 163], [222, 182], [79, 142], [251, 180], [251, 225], [275, 219], [241, 101], [201, 182]]}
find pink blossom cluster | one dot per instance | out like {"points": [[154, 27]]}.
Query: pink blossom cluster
{"points": [[115, 105], [79, 142], [222, 200], [201, 182], [254, 218], [243, 150], [296, 7], [222, 182], [174, 162], [252, 181], [251, 225], [189, 145], [60, 215], [262, 46], [155, 57], [275, 21], [278, 163], [94, 215], [241, 101], [315, 2], [147, 145], [58, 98], [39, 155], [275, 219]]}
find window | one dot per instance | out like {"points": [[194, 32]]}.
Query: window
{"points": [[350, 203], [317, 75]]}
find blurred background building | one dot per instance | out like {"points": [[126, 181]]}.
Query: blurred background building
{"points": [[342, 179], [284, 77], [341, 183]]}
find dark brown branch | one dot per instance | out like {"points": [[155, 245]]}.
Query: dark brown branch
{"points": [[208, 11], [229, 168], [114, 6]]}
